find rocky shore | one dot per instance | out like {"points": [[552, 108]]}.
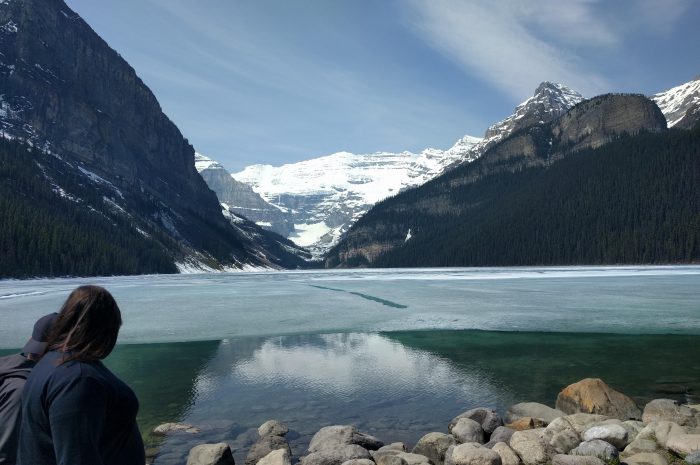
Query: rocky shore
{"points": [[591, 424]]}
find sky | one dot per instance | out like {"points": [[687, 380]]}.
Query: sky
{"points": [[280, 81]]}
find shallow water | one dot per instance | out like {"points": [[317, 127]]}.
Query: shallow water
{"points": [[379, 349]]}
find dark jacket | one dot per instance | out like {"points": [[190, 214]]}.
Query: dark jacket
{"points": [[78, 413], [14, 370]]}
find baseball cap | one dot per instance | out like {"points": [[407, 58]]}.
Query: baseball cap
{"points": [[40, 335]]}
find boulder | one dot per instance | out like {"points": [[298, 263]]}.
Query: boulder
{"points": [[175, 428], [524, 423], [211, 454], [335, 455], [391, 460], [361, 461], [561, 435], [397, 446], [660, 432], [272, 428], [342, 435], [561, 459], [467, 430], [501, 434], [277, 457], [670, 410], [528, 445], [592, 395], [683, 444], [434, 446], [611, 433], [462, 455], [640, 446], [449, 454], [488, 418], [596, 448], [693, 458], [508, 455], [264, 446], [633, 427], [582, 421], [533, 410], [414, 459], [646, 458]]}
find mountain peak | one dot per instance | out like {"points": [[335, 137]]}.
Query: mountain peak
{"points": [[680, 104]]}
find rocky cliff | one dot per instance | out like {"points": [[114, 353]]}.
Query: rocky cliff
{"points": [[452, 197], [65, 91]]}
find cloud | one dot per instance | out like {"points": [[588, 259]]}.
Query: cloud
{"points": [[515, 45]]}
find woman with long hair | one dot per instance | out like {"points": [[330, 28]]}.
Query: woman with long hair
{"points": [[75, 411]]}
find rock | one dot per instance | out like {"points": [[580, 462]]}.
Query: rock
{"points": [[670, 410], [391, 460], [175, 428], [501, 434], [363, 461], [434, 446], [398, 446], [612, 434], [683, 444], [335, 455], [341, 435], [633, 427], [561, 459], [467, 430], [508, 455], [529, 447], [640, 446], [596, 448], [524, 423], [487, 418], [272, 428], [414, 459], [264, 446], [693, 458], [660, 431], [646, 458], [463, 454], [449, 457], [582, 421], [211, 454], [592, 395], [534, 410], [278, 457], [561, 435]]}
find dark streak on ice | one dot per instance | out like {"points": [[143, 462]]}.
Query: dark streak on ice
{"points": [[388, 303]]}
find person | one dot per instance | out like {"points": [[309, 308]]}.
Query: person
{"points": [[14, 370], [75, 411]]}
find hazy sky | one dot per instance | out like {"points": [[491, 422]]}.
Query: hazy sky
{"points": [[278, 81]]}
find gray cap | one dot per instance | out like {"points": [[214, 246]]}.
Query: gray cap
{"points": [[40, 335]]}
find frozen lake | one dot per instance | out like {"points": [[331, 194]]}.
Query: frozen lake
{"points": [[396, 352]]}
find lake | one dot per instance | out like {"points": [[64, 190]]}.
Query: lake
{"points": [[397, 352]]}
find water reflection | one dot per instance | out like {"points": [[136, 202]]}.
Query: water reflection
{"points": [[397, 386]]}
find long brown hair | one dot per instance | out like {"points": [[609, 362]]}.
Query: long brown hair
{"points": [[87, 325]]}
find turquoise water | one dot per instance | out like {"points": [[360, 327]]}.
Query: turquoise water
{"points": [[398, 353]]}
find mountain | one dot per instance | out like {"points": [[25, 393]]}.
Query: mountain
{"points": [[326, 195], [680, 104], [68, 95], [603, 183], [240, 199]]}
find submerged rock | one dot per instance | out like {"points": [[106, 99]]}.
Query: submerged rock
{"points": [[211, 454], [272, 428], [175, 428], [592, 395]]}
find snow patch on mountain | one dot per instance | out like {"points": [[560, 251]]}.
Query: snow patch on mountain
{"points": [[675, 102]]}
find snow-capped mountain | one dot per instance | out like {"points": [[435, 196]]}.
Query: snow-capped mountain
{"points": [[239, 198], [326, 195], [680, 104]]}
